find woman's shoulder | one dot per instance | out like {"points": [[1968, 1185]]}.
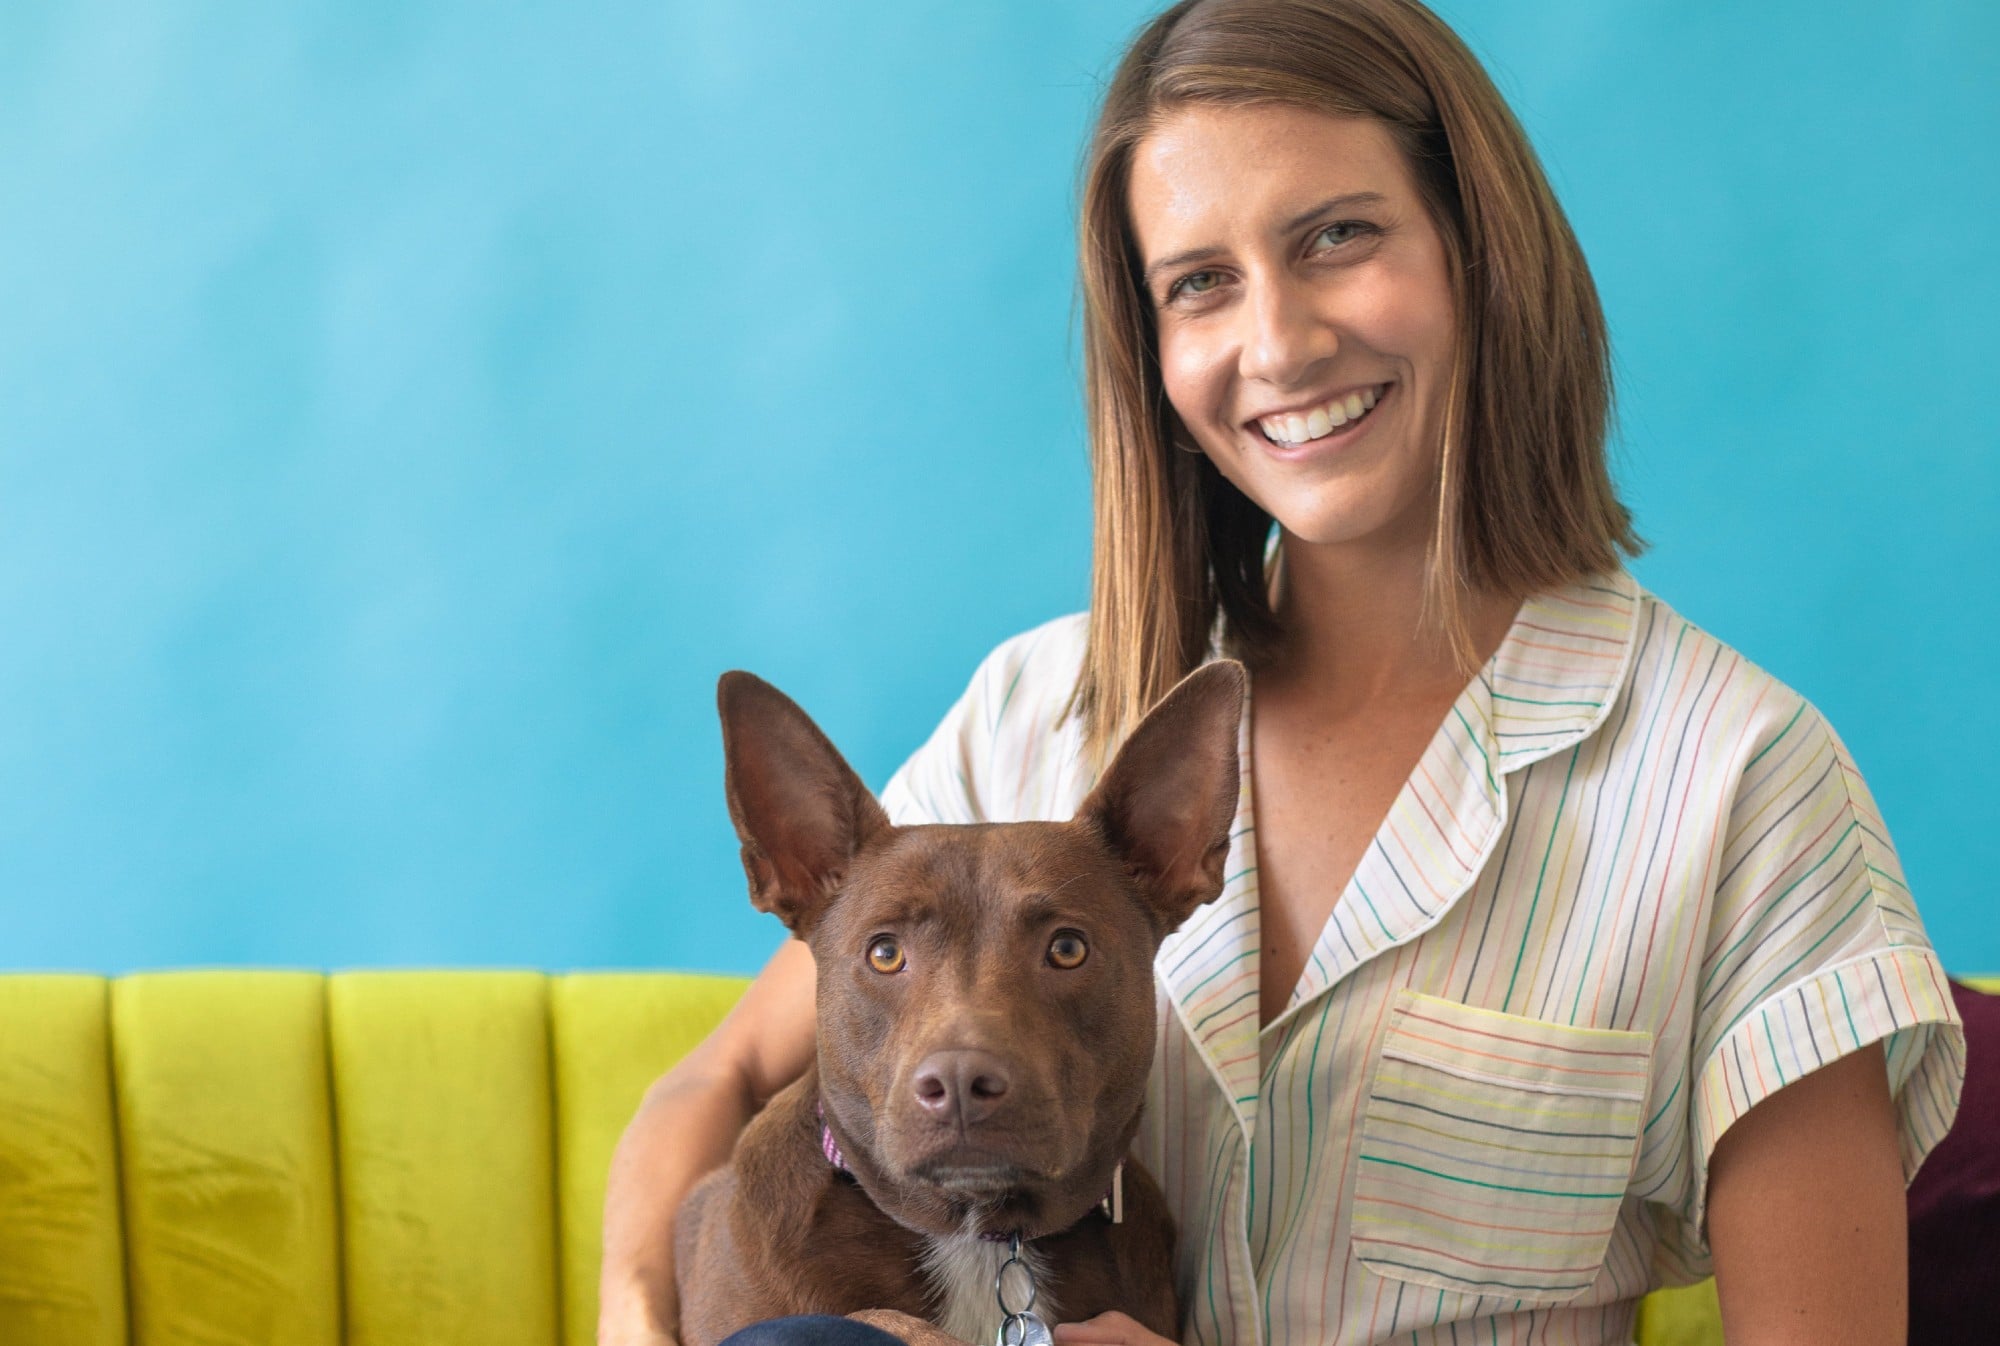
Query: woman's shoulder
{"points": [[1037, 661], [1679, 667], [1022, 688], [1607, 660], [1736, 725], [1009, 748]]}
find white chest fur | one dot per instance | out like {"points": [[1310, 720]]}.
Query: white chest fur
{"points": [[961, 1269]]}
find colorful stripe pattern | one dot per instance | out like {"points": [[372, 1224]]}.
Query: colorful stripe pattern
{"points": [[1494, 1148], [1633, 885]]}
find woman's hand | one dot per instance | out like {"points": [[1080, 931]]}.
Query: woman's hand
{"points": [[1108, 1329]]}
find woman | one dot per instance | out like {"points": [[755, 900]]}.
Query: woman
{"points": [[1563, 954]]}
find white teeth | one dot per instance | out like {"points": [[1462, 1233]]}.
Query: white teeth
{"points": [[1320, 420]]}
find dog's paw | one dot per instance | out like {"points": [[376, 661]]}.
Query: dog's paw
{"points": [[909, 1330]]}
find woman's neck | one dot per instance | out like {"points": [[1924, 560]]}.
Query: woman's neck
{"points": [[1352, 636]]}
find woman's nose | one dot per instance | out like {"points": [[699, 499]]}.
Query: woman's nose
{"points": [[1285, 340]]}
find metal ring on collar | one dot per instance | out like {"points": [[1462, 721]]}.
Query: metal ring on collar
{"points": [[1000, 1292]]}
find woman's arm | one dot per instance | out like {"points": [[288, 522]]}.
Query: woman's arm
{"points": [[686, 1126], [1806, 1215]]}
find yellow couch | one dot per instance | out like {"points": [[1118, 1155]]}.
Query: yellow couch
{"points": [[271, 1158], [376, 1158]]}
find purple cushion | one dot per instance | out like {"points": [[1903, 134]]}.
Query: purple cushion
{"points": [[1955, 1200]]}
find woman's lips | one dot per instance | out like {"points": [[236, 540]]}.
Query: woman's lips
{"points": [[1334, 439]]}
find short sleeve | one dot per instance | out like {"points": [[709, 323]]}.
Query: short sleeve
{"points": [[1007, 749], [1814, 951]]}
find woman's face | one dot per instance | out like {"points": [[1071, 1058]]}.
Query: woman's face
{"points": [[1297, 280]]}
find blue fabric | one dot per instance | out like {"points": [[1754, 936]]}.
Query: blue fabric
{"points": [[810, 1329]]}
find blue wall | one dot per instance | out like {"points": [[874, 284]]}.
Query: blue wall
{"points": [[406, 411]]}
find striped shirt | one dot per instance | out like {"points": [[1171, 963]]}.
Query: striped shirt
{"points": [[1633, 885]]}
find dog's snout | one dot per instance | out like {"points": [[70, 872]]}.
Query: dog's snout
{"points": [[962, 1087]]}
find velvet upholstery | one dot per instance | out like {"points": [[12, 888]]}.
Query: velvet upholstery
{"points": [[447, 1178], [375, 1158], [62, 1237], [226, 1148]]}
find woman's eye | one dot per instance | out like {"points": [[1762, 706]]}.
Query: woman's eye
{"points": [[886, 954], [1067, 950], [1356, 226], [1199, 282]]}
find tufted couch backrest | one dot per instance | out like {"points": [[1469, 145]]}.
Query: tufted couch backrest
{"points": [[376, 1158]]}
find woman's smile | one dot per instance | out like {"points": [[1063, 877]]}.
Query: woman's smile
{"points": [[1333, 423]]}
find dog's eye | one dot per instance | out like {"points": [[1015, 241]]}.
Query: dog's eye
{"points": [[886, 954], [1067, 950]]}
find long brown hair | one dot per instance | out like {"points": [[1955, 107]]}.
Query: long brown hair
{"points": [[1525, 499]]}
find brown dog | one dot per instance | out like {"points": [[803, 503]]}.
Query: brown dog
{"points": [[986, 1023]]}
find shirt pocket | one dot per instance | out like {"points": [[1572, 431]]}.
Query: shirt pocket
{"points": [[1495, 1150]]}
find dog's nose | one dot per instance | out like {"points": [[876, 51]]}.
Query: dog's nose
{"points": [[961, 1086]]}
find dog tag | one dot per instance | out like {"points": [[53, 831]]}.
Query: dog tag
{"points": [[1025, 1329]]}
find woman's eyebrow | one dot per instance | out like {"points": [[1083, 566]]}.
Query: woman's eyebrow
{"points": [[1177, 260], [1332, 203]]}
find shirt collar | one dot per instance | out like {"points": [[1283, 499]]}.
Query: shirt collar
{"points": [[1551, 683], [1557, 673]]}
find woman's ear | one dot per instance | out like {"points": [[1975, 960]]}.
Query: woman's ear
{"points": [[799, 809], [1166, 802]]}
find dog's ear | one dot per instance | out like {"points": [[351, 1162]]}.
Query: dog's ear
{"points": [[1166, 802], [799, 809]]}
